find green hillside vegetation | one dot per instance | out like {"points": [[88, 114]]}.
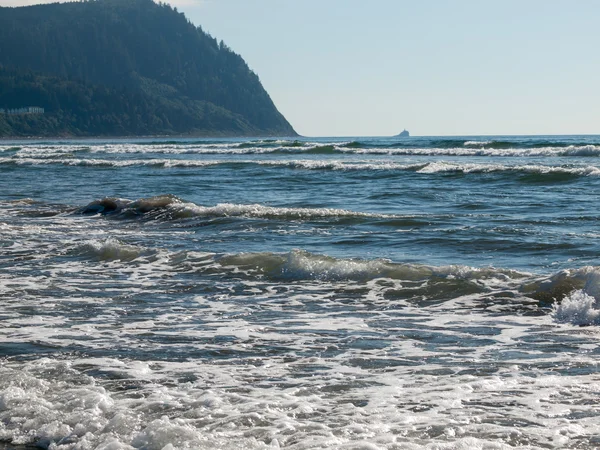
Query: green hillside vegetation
{"points": [[125, 67]]}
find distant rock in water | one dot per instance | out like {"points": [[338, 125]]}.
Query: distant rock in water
{"points": [[404, 133], [123, 68]]}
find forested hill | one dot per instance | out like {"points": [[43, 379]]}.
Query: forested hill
{"points": [[125, 67]]}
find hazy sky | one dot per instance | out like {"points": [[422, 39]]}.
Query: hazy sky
{"points": [[435, 67]]}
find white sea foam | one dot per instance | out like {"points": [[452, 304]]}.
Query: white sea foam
{"points": [[301, 265], [578, 308], [477, 143], [68, 411], [424, 168], [183, 210], [469, 148], [387, 395], [477, 150], [186, 163], [169, 206], [110, 249], [442, 166], [232, 406], [166, 163], [151, 345], [575, 295], [341, 165]]}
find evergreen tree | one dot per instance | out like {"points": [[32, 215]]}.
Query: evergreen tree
{"points": [[126, 67]]}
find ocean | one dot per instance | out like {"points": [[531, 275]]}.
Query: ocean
{"points": [[301, 293]]}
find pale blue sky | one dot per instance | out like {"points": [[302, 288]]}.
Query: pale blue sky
{"points": [[435, 67]]}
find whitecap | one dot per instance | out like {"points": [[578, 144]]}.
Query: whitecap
{"points": [[109, 249], [577, 308], [183, 210]]}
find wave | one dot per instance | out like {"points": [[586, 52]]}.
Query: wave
{"points": [[340, 165], [417, 147], [165, 163], [530, 172], [321, 150], [276, 143], [9, 148], [488, 143], [301, 265], [354, 144], [120, 207], [573, 295], [109, 250], [526, 144], [170, 207], [577, 308], [537, 172], [559, 285], [542, 172], [535, 169], [402, 144], [479, 151], [477, 143], [184, 163]]}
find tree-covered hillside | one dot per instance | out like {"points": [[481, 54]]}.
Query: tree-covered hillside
{"points": [[125, 67]]}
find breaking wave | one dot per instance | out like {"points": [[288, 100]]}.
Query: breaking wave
{"points": [[302, 265], [379, 146], [158, 163], [438, 167], [530, 169], [574, 294], [473, 150], [171, 207], [577, 308], [109, 250]]}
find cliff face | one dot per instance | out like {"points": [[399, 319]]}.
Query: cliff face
{"points": [[126, 67]]}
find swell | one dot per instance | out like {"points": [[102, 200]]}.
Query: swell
{"points": [[398, 280], [301, 265], [9, 148], [572, 294], [116, 163], [480, 151], [169, 207], [108, 250], [427, 147], [497, 144], [531, 173], [272, 143], [527, 173]]}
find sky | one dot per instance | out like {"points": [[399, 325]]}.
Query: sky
{"points": [[434, 67]]}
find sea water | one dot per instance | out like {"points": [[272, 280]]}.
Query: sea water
{"points": [[342, 293]]}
